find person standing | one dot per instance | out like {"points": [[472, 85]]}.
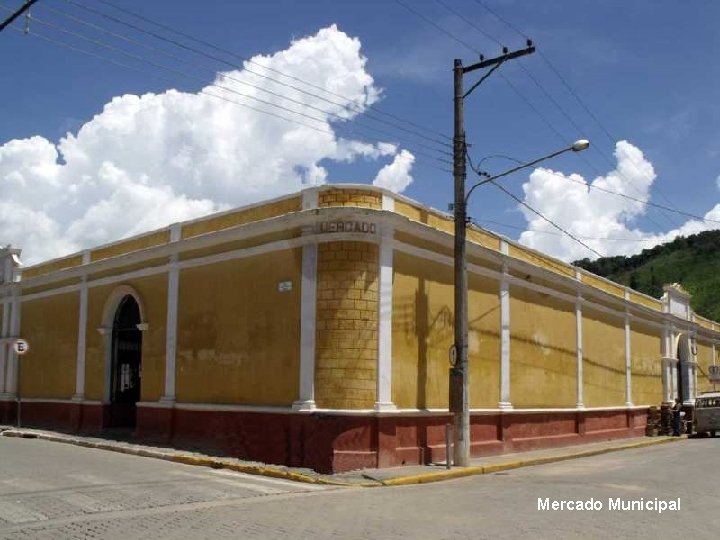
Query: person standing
{"points": [[676, 410]]}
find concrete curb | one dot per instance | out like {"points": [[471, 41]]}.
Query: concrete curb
{"points": [[427, 478], [285, 474], [188, 459]]}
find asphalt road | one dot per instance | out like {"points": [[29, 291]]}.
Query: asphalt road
{"points": [[57, 491]]}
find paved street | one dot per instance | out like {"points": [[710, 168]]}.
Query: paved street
{"points": [[51, 490]]}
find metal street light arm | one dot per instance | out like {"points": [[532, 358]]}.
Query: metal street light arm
{"points": [[575, 147]]}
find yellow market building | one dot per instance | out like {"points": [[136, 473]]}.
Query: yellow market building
{"points": [[313, 330]]}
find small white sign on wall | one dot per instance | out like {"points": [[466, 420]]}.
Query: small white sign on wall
{"points": [[714, 374], [20, 346], [284, 286]]}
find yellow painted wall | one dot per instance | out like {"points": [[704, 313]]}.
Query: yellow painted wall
{"points": [[238, 336], [423, 333], [347, 319], [542, 261], [646, 354], [543, 357], [604, 285], [145, 241], [52, 266], [604, 359], [704, 360], [50, 327], [153, 295], [242, 216], [646, 301]]}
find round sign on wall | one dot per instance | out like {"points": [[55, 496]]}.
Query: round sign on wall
{"points": [[21, 346]]}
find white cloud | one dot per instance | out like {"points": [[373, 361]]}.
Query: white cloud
{"points": [[147, 161], [395, 176], [603, 221]]}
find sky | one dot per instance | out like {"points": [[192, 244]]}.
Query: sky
{"points": [[143, 132]]}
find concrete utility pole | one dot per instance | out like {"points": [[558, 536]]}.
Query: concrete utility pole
{"points": [[459, 380]]}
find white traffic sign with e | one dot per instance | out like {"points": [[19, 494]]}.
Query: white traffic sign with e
{"points": [[20, 346]]}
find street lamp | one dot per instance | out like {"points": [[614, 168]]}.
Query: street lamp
{"points": [[459, 383]]}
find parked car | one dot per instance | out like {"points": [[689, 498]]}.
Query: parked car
{"points": [[707, 413]]}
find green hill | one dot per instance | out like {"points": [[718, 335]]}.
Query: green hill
{"points": [[692, 261]]}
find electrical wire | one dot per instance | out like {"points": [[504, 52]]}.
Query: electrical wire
{"points": [[550, 233], [201, 79], [240, 81], [438, 27], [613, 140], [590, 185], [203, 91], [542, 216], [369, 115], [372, 114], [557, 105]]}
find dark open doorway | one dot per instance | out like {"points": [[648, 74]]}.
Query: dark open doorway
{"points": [[682, 356], [126, 364]]}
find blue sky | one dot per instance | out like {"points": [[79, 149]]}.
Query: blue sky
{"points": [[647, 70]]}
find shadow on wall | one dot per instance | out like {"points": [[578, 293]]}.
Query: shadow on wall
{"points": [[432, 330]]}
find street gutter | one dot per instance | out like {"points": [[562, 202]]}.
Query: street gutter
{"points": [[364, 480]]}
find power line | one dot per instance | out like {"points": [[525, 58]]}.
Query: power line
{"points": [[540, 215], [550, 233], [557, 105], [17, 13], [437, 26], [203, 91], [468, 21], [348, 101], [591, 185], [613, 140], [240, 81], [248, 96]]}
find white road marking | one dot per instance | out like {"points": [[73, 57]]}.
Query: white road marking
{"points": [[87, 503], [265, 479], [89, 479], [25, 484], [16, 513], [250, 487]]}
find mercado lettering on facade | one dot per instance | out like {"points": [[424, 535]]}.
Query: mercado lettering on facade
{"points": [[313, 330]]}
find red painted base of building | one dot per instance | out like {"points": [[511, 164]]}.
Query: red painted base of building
{"points": [[329, 442]]}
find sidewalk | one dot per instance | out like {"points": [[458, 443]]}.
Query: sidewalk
{"points": [[411, 474]]}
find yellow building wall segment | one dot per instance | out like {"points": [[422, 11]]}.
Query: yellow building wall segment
{"points": [[153, 297], [603, 359], [423, 333], [52, 266], [543, 357], [704, 360], [145, 241], [347, 322], [50, 327], [646, 364], [238, 338], [242, 216]]}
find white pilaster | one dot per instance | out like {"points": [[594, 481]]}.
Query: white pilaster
{"points": [[308, 313], [385, 294], [3, 345], [505, 402], [580, 404], [81, 344], [628, 361], [11, 381], [171, 320]]}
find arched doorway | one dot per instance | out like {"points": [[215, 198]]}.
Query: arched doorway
{"points": [[126, 363]]}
